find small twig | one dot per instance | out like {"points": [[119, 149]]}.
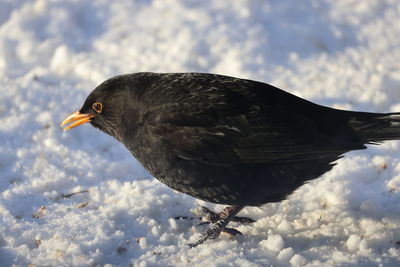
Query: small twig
{"points": [[82, 205], [74, 193]]}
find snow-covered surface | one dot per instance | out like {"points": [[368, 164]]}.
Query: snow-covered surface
{"points": [[343, 53]]}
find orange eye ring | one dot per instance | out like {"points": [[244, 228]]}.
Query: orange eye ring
{"points": [[98, 107]]}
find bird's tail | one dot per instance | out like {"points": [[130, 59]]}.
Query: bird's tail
{"points": [[376, 127]]}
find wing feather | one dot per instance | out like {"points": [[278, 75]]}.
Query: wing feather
{"points": [[231, 123]]}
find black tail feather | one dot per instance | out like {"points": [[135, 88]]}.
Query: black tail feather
{"points": [[376, 127]]}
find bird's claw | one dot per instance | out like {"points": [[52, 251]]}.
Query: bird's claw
{"points": [[231, 231], [211, 233]]}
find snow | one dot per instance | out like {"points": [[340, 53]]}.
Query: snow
{"points": [[343, 54], [273, 243]]}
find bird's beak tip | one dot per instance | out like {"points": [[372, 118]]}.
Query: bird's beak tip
{"points": [[75, 119]]}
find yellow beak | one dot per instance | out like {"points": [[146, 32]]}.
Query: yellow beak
{"points": [[75, 119]]}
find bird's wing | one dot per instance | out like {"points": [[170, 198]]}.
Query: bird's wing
{"points": [[230, 129]]}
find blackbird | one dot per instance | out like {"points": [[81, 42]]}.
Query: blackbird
{"points": [[227, 140]]}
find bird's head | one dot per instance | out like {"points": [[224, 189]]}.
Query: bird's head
{"points": [[103, 107]]}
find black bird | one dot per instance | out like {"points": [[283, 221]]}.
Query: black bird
{"points": [[227, 140]]}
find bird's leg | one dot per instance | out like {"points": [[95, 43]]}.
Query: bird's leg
{"points": [[215, 229], [211, 217]]}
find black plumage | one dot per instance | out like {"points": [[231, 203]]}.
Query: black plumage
{"points": [[227, 140]]}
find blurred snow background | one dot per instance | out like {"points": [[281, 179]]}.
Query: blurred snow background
{"points": [[345, 54]]}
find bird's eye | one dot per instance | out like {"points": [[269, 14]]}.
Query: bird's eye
{"points": [[98, 107]]}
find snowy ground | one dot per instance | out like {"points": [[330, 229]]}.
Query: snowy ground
{"points": [[343, 53]]}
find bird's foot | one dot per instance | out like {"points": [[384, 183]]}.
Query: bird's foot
{"points": [[219, 223], [226, 230], [211, 233]]}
